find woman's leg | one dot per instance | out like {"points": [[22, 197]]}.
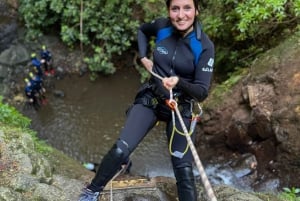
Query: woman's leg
{"points": [[139, 121], [182, 162]]}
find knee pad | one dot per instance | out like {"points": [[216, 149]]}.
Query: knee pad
{"points": [[122, 146], [110, 165]]}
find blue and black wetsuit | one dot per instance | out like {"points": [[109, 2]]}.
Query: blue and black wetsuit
{"points": [[37, 82], [37, 66], [29, 92], [46, 56], [190, 58]]}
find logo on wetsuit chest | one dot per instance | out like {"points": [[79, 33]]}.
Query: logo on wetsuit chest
{"points": [[162, 50]]}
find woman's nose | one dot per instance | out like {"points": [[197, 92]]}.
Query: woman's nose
{"points": [[181, 13]]}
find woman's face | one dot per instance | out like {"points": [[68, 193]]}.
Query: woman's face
{"points": [[182, 14]]}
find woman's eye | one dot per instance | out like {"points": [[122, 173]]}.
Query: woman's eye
{"points": [[187, 8], [174, 9]]}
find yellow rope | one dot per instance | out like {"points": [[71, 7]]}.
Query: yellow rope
{"points": [[180, 133]]}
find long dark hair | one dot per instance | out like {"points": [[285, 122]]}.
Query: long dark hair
{"points": [[196, 3]]}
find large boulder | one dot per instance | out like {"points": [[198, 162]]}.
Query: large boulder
{"points": [[14, 55]]}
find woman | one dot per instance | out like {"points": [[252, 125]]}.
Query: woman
{"points": [[182, 63]]}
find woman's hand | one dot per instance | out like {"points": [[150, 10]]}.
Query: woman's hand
{"points": [[170, 82], [148, 63]]}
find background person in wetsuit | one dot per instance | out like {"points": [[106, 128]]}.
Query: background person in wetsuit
{"points": [[29, 90], [31, 94], [37, 84], [36, 65], [183, 55], [46, 58]]}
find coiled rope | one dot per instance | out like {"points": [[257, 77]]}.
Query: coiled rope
{"points": [[205, 181]]}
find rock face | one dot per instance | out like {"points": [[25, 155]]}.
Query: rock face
{"points": [[24, 170], [261, 115], [8, 24], [28, 174]]}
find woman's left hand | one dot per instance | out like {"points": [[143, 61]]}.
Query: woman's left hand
{"points": [[170, 82]]}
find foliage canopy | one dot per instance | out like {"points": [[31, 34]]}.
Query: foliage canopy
{"points": [[239, 29]]}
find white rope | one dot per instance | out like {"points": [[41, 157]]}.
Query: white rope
{"points": [[199, 165], [156, 75], [123, 169], [205, 181]]}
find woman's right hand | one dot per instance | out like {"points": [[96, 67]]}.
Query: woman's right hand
{"points": [[148, 63]]}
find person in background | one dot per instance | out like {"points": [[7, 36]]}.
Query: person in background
{"points": [[182, 64], [46, 58], [37, 65], [37, 84], [29, 90], [30, 94]]}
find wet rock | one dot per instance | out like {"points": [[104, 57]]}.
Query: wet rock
{"points": [[8, 25], [269, 185], [60, 73], [58, 93], [225, 193], [15, 55], [9, 194], [4, 72], [244, 166], [237, 137], [261, 126]]}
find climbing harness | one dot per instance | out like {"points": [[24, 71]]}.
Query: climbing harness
{"points": [[173, 105], [194, 120]]}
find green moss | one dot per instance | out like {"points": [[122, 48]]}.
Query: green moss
{"points": [[274, 57], [14, 123], [217, 95], [10, 116]]}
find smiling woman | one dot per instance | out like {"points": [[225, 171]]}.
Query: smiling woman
{"points": [[182, 14], [181, 52]]}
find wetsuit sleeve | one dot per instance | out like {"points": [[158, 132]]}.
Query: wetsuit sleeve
{"points": [[198, 89], [145, 32]]}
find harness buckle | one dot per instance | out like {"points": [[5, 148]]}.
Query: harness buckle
{"points": [[171, 103]]}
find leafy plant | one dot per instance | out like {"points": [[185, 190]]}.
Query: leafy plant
{"points": [[11, 119], [40, 145], [240, 29], [105, 27], [290, 194], [11, 116]]}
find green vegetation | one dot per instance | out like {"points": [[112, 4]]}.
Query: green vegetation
{"points": [[95, 25], [218, 93], [240, 29], [11, 119], [10, 116], [290, 194]]}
